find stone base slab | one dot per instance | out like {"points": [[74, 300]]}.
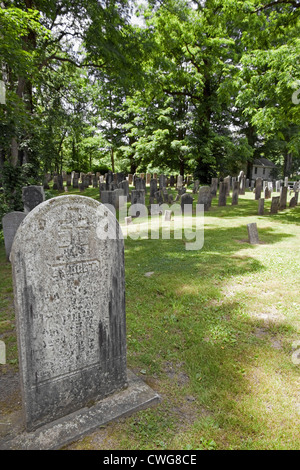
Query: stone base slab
{"points": [[135, 397]]}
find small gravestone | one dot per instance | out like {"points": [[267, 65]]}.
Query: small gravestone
{"points": [[293, 202], [140, 184], [253, 234], [69, 290], [186, 202], [32, 196], [10, 224], [128, 220], [274, 205], [235, 193], [162, 182], [196, 186], [261, 206], [168, 215], [138, 197], [75, 182], [222, 194], [179, 183], [242, 181], [205, 197], [153, 187]]}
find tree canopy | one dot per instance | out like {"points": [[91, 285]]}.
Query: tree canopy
{"points": [[203, 87]]}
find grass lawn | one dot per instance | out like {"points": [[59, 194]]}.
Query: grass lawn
{"points": [[215, 332]]}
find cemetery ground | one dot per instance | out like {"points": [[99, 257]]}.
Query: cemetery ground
{"points": [[214, 331]]}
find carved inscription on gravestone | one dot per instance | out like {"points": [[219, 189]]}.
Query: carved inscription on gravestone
{"points": [[70, 307]]}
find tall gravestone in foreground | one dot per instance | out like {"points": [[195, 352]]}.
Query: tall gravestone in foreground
{"points": [[69, 289]]}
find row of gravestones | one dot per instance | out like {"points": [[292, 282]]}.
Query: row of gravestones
{"points": [[110, 180], [159, 194]]}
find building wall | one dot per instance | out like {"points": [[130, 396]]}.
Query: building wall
{"points": [[261, 172]]}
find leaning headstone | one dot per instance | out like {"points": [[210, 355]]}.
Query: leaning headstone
{"points": [[222, 194], [261, 206], [71, 322], [205, 197], [10, 225], [274, 205], [235, 193], [293, 202], [253, 234], [32, 196]]}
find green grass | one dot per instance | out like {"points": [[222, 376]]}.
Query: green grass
{"points": [[212, 331]]}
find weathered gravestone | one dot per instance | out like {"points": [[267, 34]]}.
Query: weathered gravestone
{"points": [[186, 202], [293, 202], [235, 193], [205, 197], [138, 197], [69, 290], [32, 196], [196, 186], [227, 181], [10, 224], [179, 183], [242, 181], [153, 187], [283, 197], [114, 198], [261, 206], [274, 205], [253, 234], [162, 181], [258, 188], [214, 186], [222, 194]]}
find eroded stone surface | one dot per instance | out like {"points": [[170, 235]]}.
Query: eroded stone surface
{"points": [[70, 307]]}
